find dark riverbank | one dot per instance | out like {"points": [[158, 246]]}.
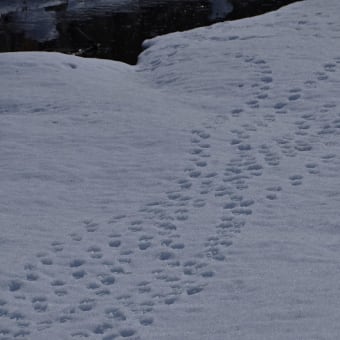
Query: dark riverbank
{"points": [[112, 30]]}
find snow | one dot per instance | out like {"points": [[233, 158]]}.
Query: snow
{"points": [[195, 195]]}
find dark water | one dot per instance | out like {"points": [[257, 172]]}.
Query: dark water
{"points": [[111, 29]]}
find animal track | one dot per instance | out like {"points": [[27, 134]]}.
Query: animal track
{"points": [[146, 321], [267, 79], [128, 332], [294, 97], [217, 193], [312, 168], [15, 285], [32, 277], [86, 305], [57, 283], [79, 274], [115, 243], [46, 261], [194, 290], [329, 67], [90, 226], [95, 252], [77, 263], [296, 179]]}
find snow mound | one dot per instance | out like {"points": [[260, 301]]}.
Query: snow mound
{"points": [[195, 195]]}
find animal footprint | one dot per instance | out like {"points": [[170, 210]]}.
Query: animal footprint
{"points": [[294, 97], [329, 67], [194, 290], [91, 226], [313, 168], [296, 179], [15, 285]]}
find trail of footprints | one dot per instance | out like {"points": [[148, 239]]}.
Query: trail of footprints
{"points": [[228, 190], [177, 276], [95, 274], [101, 267]]}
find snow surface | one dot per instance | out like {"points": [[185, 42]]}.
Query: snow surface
{"points": [[193, 196]]}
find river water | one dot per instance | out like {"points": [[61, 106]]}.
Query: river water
{"points": [[111, 29]]}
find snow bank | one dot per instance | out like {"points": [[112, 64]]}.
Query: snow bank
{"points": [[194, 195]]}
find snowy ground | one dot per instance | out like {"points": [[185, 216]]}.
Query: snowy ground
{"points": [[193, 196]]}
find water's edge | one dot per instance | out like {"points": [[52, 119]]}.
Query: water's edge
{"points": [[114, 31]]}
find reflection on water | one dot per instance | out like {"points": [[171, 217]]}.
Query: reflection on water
{"points": [[112, 29]]}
